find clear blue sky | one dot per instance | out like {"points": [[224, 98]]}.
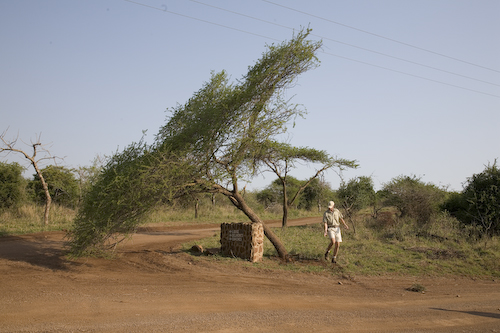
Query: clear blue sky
{"points": [[404, 87]]}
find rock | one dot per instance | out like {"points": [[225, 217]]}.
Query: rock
{"points": [[197, 249]]}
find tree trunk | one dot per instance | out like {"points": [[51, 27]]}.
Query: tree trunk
{"points": [[196, 206], [285, 207], [48, 199], [239, 202]]}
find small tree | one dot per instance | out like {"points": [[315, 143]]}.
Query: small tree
{"points": [[9, 146]]}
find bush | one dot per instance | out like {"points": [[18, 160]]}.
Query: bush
{"points": [[12, 185], [477, 206], [414, 198]]}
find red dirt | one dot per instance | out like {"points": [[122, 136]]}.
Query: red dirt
{"points": [[153, 287]]}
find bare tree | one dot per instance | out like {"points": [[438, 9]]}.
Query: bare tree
{"points": [[9, 146]]}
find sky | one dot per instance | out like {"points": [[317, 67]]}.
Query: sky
{"points": [[405, 88]]}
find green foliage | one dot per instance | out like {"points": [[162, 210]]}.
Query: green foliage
{"points": [[481, 200], [357, 193], [269, 196], [87, 176], [62, 185], [131, 183], [222, 126], [313, 194], [456, 204], [413, 198], [12, 185], [292, 187]]}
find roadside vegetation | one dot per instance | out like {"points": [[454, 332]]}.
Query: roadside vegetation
{"points": [[386, 245]]}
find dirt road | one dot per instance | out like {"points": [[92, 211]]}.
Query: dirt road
{"points": [[153, 287]]}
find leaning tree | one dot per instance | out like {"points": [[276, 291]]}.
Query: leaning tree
{"points": [[221, 128], [209, 144]]}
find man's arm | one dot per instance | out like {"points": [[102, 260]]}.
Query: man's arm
{"points": [[343, 222]]}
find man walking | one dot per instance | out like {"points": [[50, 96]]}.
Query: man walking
{"points": [[331, 219]]}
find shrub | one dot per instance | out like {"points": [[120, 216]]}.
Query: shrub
{"points": [[482, 194], [413, 198], [12, 185]]}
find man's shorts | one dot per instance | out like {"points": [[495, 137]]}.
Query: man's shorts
{"points": [[334, 233]]}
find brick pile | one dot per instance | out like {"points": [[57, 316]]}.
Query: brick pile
{"points": [[242, 240]]}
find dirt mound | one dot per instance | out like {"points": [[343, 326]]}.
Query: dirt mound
{"points": [[153, 286]]}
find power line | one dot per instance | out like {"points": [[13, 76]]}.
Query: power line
{"points": [[383, 37], [348, 44], [200, 20], [338, 56], [409, 74]]}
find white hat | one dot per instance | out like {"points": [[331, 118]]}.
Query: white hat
{"points": [[331, 204]]}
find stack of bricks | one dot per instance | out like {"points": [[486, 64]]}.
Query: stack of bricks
{"points": [[242, 240]]}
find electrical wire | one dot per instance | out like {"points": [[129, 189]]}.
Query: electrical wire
{"points": [[380, 36], [409, 74], [348, 44], [331, 54], [200, 20]]}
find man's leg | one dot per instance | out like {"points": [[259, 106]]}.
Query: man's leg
{"points": [[332, 243], [336, 250]]}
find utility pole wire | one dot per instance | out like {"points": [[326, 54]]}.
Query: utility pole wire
{"points": [[342, 57], [383, 37]]}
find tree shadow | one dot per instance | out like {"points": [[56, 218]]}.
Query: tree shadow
{"points": [[474, 313], [37, 252]]}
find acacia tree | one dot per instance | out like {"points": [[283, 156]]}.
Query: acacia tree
{"points": [[220, 129], [9, 146], [281, 158]]}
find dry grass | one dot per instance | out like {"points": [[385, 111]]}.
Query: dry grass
{"points": [[28, 218]]}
